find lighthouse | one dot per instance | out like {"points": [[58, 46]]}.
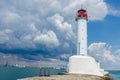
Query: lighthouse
{"points": [[82, 18], [82, 63]]}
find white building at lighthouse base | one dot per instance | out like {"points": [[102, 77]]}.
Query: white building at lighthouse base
{"points": [[84, 65]]}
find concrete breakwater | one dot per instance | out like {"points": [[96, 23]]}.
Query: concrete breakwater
{"points": [[69, 77]]}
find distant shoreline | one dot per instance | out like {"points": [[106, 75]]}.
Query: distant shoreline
{"points": [[42, 67]]}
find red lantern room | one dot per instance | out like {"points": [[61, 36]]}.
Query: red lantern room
{"points": [[82, 14]]}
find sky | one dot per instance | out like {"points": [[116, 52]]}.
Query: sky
{"points": [[36, 32]]}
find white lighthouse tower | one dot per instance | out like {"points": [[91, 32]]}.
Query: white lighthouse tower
{"points": [[82, 32], [82, 63]]}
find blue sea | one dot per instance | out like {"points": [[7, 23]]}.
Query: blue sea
{"points": [[14, 73]]}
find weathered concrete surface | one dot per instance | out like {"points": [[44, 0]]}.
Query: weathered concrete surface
{"points": [[69, 77]]}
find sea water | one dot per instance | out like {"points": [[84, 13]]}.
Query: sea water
{"points": [[115, 74], [14, 73]]}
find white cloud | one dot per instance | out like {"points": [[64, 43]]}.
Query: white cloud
{"points": [[58, 21], [117, 53], [8, 39], [97, 9], [48, 38], [65, 56], [113, 11], [28, 40], [4, 36], [11, 17], [103, 53]]}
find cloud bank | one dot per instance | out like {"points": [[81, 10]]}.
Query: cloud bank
{"points": [[103, 53], [31, 22]]}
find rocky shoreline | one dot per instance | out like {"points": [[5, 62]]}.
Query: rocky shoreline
{"points": [[69, 77]]}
